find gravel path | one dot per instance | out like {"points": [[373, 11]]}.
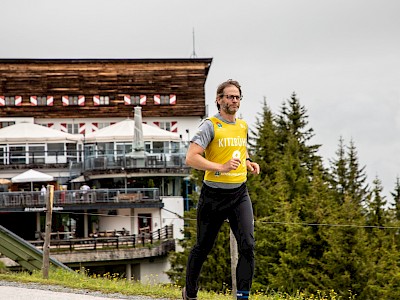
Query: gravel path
{"points": [[34, 291]]}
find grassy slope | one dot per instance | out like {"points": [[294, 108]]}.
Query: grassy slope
{"points": [[113, 284]]}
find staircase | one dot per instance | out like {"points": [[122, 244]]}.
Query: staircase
{"points": [[24, 253]]}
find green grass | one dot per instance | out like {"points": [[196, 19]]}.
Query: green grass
{"points": [[112, 283]]}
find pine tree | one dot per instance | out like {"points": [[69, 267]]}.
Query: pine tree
{"points": [[396, 198], [263, 150], [357, 187], [339, 169], [283, 242], [293, 121], [347, 177], [376, 212], [383, 250]]}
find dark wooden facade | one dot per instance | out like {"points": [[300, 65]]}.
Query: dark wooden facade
{"points": [[184, 78]]}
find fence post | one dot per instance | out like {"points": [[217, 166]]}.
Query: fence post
{"points": [[46, 244], [134, 240]]}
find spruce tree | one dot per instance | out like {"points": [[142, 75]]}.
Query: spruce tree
{"points": [[384, 271], [396, 198], [377, 215], [339, 176], [347, 177], [357, 188], [283, 243], [263, 149]]}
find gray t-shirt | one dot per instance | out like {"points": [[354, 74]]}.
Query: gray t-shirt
{"points": [[203, 136]]}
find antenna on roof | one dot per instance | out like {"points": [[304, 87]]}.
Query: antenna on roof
{"points": [[194, 55]]}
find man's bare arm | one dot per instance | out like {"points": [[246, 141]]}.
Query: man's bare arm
{"points": [[195, 159]]}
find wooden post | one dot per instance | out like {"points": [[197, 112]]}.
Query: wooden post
{"points": [[234, 261], [46, 244]]}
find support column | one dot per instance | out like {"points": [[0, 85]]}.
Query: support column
{"points": [[128, 272], [85, 224], [38, 224]]}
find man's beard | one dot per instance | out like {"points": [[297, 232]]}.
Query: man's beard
{"points": [[228, 110]]}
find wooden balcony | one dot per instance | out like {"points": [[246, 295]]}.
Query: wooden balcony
{"points": [[77, 199]]}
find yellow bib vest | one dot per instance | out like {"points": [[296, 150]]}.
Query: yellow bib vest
{"points": [[230, 140]]}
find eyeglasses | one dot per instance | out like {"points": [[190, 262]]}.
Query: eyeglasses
{"points": [[231, 97]]}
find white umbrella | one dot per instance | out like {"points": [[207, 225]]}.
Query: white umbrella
{"points": [[32, 176], [138, 143]]}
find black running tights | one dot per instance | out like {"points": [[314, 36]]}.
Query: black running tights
{"points": [[215, 206]]}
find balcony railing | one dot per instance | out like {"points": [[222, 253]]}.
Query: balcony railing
{"points": [[149, 160], [33, 200], [97, 160], [96, 241]]}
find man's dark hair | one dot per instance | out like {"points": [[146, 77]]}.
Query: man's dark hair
{"points": [[222, 86]]}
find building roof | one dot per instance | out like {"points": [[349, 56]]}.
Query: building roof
{"points": [[124, 131], [30, 132]]}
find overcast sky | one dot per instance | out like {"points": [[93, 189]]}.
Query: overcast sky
{"points": [[341, 57]]}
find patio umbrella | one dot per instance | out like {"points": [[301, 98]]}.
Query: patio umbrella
{"points": [[32, 176], [138, 143]]}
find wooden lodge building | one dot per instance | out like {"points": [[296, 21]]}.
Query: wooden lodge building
{"points": [[65, 117], [82, 96]]}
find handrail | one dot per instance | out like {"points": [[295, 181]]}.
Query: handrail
{"points": [[34, 199], [116, 241], [22, 252], [94, 160]]}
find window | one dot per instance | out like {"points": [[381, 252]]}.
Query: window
{"points": [[175, 146], [158, 147], [73, 100], [165, 125], [164, 99], [123, 149], [72, 153], [103, 125], [135, 99], [10, 100], [101, 100], [36, 154], [55, 149], [147, 147], [41, 100], [73, 128], [105, 148], [104, 100], [6, 123], [17, 155], [3, 154], [144, 223]]}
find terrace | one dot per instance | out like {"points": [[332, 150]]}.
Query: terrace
{"points": [[34, 201]]}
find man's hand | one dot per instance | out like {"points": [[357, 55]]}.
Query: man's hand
{"points": [[253, 167], [230, 165]]}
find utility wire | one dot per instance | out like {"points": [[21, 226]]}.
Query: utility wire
{"points": [[328, 225], [179, 217]]}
